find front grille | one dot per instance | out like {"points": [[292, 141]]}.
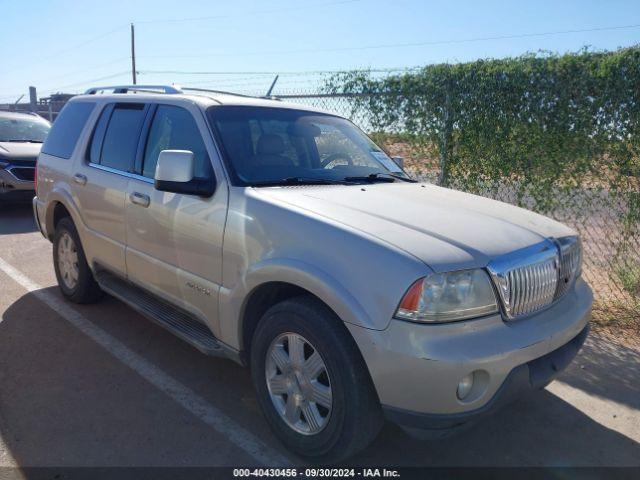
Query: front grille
{"points": [[532, 287], [533, 278], [26, 174]]}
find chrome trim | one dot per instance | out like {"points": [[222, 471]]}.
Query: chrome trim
{"points": [[518, 277], [135, 176], [11, 167], [534, 278], [570, 263], [169, 89]]}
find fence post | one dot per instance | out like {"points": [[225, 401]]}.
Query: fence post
{"points": [[445, 140], [33, 99]]}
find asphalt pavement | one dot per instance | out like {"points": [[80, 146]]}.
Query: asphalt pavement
{"points": [[99, 385]]}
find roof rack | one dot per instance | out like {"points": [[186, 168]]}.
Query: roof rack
{"points": [[136, 88], [221, 92], [168, 89]]}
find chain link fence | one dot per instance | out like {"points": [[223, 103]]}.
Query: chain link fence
{"points": [[611, 261]]}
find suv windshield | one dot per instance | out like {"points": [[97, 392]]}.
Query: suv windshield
{"points": [[266, 146], [21, 129]]}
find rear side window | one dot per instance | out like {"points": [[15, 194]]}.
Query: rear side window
{"points": [[121, 136], [67, 128], [95, 150], [174, 128]]}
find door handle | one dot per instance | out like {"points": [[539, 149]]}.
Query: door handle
{"points": [[80, 179], [140, 199]]}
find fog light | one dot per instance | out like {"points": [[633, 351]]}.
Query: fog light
{"points": [[464, 387]]}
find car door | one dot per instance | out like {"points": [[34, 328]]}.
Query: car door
{"points": [[174, 241], [100, 181]]}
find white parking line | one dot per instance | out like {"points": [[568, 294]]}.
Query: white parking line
{"points": [[183, 395]]}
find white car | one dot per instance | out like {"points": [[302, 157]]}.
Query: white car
{"points": [[21, 136]]}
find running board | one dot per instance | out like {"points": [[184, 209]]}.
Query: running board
{"points": [[167, 316]]}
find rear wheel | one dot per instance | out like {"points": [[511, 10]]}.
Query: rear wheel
{"points": [[312, 383], [72, 271]]}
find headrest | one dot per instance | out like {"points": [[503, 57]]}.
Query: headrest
{"points": [[269, 144]]}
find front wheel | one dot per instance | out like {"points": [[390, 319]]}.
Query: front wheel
{"points": [[312, 383]]}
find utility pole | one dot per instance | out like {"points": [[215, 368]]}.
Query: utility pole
{"points": [[133, 54], [33, 99]]}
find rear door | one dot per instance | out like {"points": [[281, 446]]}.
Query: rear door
{"points": [[174, 241], [100, 181]]}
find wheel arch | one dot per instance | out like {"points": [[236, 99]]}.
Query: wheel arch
{"points": [[259, 300], [280, 280], [59, 205]]}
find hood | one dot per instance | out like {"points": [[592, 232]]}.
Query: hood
{"points": [[19, 150], [446, 229]]}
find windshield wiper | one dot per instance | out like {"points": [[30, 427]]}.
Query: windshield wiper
{"points": [[380, 177], [297, 181], [21, 140]]}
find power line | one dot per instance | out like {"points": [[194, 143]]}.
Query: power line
{"points": [[405, 45], [75, 72], [254, 12], [59, 53], [174, 20], [11, 97], [300, 72], [87, 82], [87, 42]]}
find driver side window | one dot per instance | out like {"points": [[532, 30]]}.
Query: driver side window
{"points": [[173, 128]]}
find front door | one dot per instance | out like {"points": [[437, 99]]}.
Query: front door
{"points": [[174, 241]]}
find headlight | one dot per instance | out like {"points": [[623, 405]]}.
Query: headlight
{"points": [[446, 297]]}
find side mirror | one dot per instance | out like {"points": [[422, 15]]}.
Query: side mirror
{"points": [[175, 173], [398, 161]]}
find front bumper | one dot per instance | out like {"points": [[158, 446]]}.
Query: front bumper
{"points": [[14, 188], [533, 375], [416, 368]]}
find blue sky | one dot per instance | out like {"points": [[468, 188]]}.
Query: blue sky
{"points": [[69, 45]]}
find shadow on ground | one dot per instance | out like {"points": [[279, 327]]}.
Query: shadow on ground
{"points": [[16, 218], [607, 369], [65, 401]]}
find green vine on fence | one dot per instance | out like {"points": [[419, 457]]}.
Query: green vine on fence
{"points": [[546, 121]]}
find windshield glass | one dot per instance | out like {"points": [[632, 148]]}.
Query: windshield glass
{"points": [[19, 129], [265, 145]]}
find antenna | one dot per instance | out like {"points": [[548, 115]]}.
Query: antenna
{"points": [[273, 84], [133, 54]]}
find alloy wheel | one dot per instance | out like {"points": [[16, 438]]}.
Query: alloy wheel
{"points": [[298, 383]]}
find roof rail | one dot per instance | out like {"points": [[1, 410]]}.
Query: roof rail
{"points": [[136, 88], [222, 92]]}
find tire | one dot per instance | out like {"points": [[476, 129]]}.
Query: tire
{"points": [[68, 257], [354, 417]]}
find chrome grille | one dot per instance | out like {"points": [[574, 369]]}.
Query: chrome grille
{"points": [[532, 287], [533, 278]]}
